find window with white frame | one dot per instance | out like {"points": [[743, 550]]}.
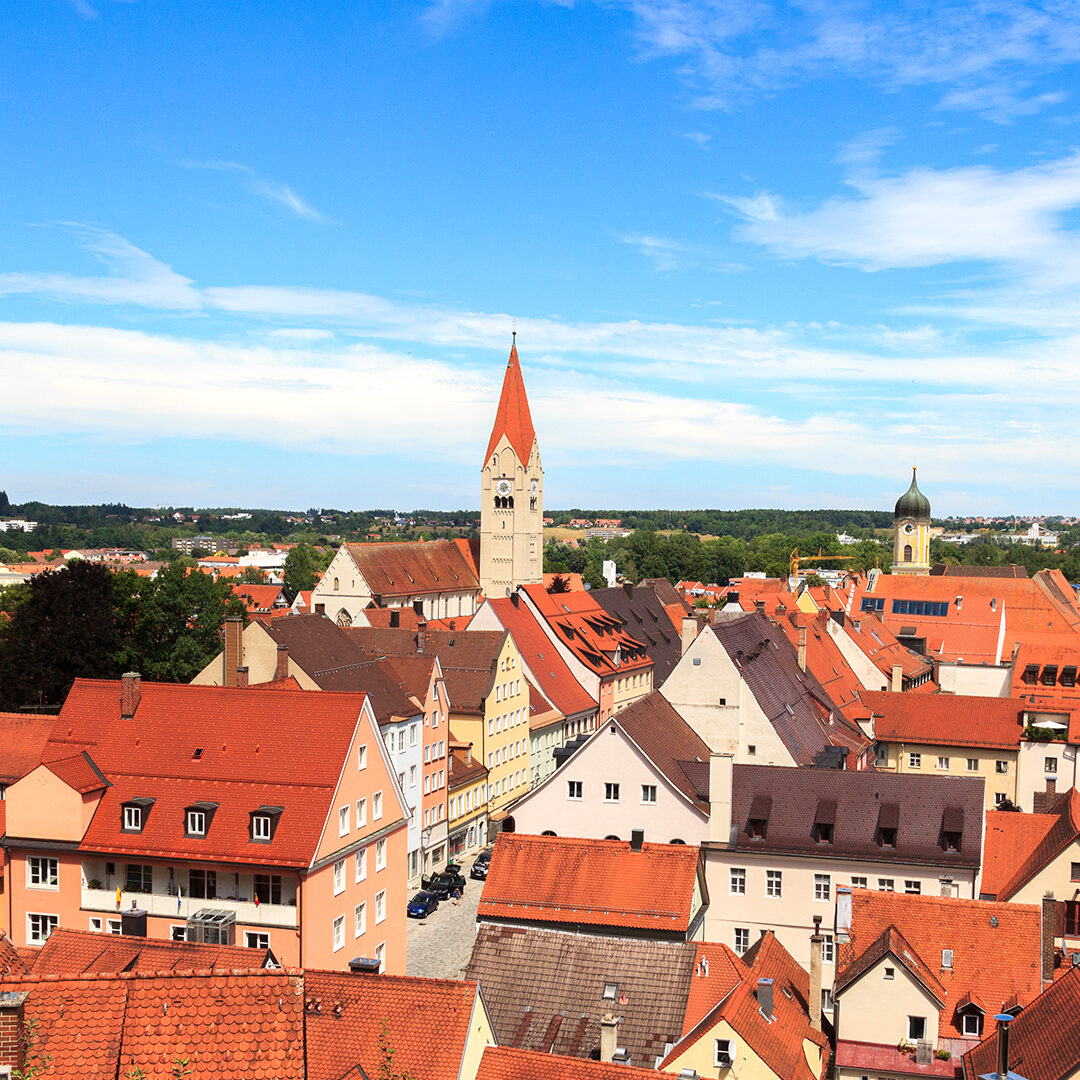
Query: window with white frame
{"points": [[339, 876], [39, 927], [380, 855], [339, 933], [132, 818], [972, 1023], [42, 872], [260, 826], [774, 883], [361, 813], [858, 882], [360, 859], [723, 1053], [912, 887], [255, 939], [343, 821], [611, 792], [573, 789], [95, 924], [196, 823], [916, 1028], [380, 955], [943, 763], [359, 920], [380, 906], [999, 797], [886, 884], [822, 886], [414, 734], [742, 939], [1001, 767], [972, 764], [915, 761], [361, 757], [827, 949], [178, 932], [737, 881], [376, 806]]}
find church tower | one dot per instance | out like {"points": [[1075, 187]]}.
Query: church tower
{"points": [[911, 532], [511, 494]]}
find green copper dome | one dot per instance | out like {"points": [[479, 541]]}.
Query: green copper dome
{"points": [[913, 503]]}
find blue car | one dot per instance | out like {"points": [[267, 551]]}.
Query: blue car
{"points": [[422, 905]]}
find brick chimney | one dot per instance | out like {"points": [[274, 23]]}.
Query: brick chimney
{"points": [[1049, 933], [421, 635], [1043, 801], [609, 1037], [234, 648], [816, 943], [242, 677], [13, 1030], [281, 665], [689, 633], [130, 694], [802, 648], [897, 678], [721, 769]]}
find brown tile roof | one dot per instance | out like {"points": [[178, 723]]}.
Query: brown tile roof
{"points": [[75, 952], [513, 418], [22, 738], [462, 772], [506, 1063], [542, 713], [670, 743], [919, 803], [1044, 1040], [426, 1023], [567, 881], [414, 569], [1018, 846], [978, 932], [544, 989], [642, 614], [945, 719]]}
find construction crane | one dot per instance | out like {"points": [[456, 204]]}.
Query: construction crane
{"points": [[796, 558]]}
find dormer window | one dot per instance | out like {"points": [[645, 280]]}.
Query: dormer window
{"points": [[888, 824], [823, 833], [135, 812], [824, 821], [260, 827], [887, 837], [759, 817], [1031, 674], [197, 818], [264, 823]]}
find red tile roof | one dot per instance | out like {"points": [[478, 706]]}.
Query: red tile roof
{"points": [[563, 880], [79, 772], [717, 971], [11, 963], [506, 1063], [1044, 1040], [945, 719], [824, 660], [425, 1021], [1018, 846], [75, 952], [22, 738], [204, 743], [552, 675], [878, 1058], [261, 598], [513, 418], [882, 648], [978, 932], [412, 569]]}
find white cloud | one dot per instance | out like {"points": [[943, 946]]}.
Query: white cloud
{"points": [[271, 190], [698, 138], [667, 254], [927, 217], [867, 147]]}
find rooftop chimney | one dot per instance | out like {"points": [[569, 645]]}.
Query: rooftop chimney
{"points": [[609, 1037], [281, 665], [12, 1030], [234, 648], [130, 694], [1043, 801], [637, 838], [759, 606], [1003, 1022], [242, 677], [421, 635], [133, 922], [721, 769], [816, 942], [765, 997], [1049, 933], [621, 1056], [629, 589], [802, 648], [689, 632], [395, 618], [364, 965], [897, 678], [515, 599]]}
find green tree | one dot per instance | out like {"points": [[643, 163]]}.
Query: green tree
{"points": [[252, 575], [301, 565]]}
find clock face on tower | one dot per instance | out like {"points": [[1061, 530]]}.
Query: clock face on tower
{"points": [[909, 528], [503, 487]]}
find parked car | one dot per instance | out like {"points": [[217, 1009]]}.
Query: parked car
{"points": [[479, 869], [444, 884], [422, 905]]}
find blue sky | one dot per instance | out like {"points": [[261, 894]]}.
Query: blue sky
{"points": [[757, 253]]}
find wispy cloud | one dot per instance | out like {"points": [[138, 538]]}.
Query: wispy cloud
{"points": [[866, 148], [271, 190], [698, 138], [84, 8], [666, 254], [927, 217]]}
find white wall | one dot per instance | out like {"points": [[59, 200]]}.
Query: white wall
{"points": [[975, 679]]}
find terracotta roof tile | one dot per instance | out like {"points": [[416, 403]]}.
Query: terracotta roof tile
{"points": [[563, 880], [412, 569], [506, 1063], [644, 618], [22, 738], [945, 719], [11, 963]]}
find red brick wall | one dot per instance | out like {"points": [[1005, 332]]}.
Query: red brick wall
{"points": [[12, 1048]]}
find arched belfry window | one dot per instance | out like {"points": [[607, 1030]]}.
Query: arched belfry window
{"points": [[907, 553], [344, 618], [337, 585]]}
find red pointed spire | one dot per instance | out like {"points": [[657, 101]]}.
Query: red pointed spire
{"points": [[513, 418]]}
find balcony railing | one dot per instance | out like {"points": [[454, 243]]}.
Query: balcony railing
{"points": [[162, 904]]}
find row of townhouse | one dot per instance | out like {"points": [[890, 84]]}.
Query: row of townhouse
{"points": [[226, 815]]}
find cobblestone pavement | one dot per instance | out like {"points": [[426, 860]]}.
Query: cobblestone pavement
{"points": [[441, 944]]}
